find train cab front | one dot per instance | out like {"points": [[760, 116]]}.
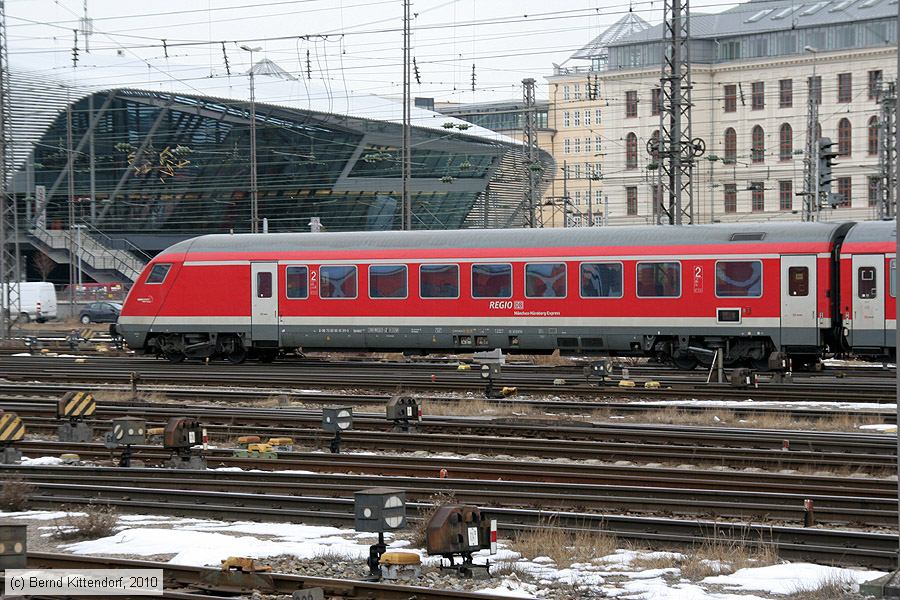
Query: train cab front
{"points": [[144, 301]]}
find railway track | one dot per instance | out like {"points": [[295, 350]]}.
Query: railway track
{"points": [[417, 377], [837, 546], [762, 504], [198, 582]]}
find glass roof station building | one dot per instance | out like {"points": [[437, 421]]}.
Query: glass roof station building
{"points": [[164, 154]]}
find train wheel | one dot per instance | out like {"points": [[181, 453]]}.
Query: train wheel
{"points": [[237, 356], [685, 361], [175, 357], [267, 356]]}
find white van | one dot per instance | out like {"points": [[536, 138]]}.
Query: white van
{"points": [[37, 301]]}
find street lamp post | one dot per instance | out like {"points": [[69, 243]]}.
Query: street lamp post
{"points": [[254, 192]]}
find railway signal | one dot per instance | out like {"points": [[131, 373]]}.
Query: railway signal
{"points": [[13, 546], [458, 530], [336, 419], [12, 429], [180, 436], [404, 411], [377, 510], [126, 431], [826, 161], [75, 407]]}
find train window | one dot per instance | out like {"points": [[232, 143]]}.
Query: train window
{"points": [[297, 282], [158, 273], [492, 281], [798, 281], [387, 281], [866, 283], [337, 282], [893, 278], [659, 280], [545, 280], [601, 280], [740, 278], [439, 281], [264, 285]]}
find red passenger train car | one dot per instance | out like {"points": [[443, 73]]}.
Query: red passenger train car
{"points": [[670, 292]]}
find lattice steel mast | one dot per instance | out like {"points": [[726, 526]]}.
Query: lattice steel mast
{"points": [[887, 151], [406, 161], [9, 224], [811, 156], [677, 150], [529, 131]]}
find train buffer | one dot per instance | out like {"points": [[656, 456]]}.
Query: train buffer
{"points": [[12, 430], [75, 407]]}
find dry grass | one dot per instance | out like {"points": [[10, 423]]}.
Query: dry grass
{"points": [[829, 589], [126, 396], [565, 547], [550, 360], [88, 521], [674, 415], [15, 493], [508, 568], [425, 513], [472, 407], [657, 561], [723, 556]]}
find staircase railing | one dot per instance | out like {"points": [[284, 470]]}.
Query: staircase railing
{"points": [[91, 252]]}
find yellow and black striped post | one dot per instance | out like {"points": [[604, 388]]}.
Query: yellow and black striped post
{"points": [[75, 406], [12, 429]]}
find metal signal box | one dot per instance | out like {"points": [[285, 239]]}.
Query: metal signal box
{"points": [[380, 509], [457, 529], [337, 418], [182, 432], [403, 408]]}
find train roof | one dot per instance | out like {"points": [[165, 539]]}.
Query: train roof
{"points": [[701, 235], [872, 231]]}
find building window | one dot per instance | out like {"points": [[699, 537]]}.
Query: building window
{"points": [[577, 198], [814, 88], [655, 101], [730, 144], [578, 91], [785, 142], [576, 171], [492, 281], [631, 207], [872, 130], [567, 120], [337, 282], [567, 146], [296, 282], [631, 102], [577, 146], [874, 84], [786, 195], [631, 151], [387, 281], [730, 98], [786, 93], [587, 144], [439, 281], [658, 280], [845, 137], [545, 280], [565, 92], [739, 279], [601, 280], [587, 118], [597, 144], [597, 112], [758, 145], [758, 97], [845, 197], [730, 197], [845, 87], [757, 196], [577, 118], [874, 190]]}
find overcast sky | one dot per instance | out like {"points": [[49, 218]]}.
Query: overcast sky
{"points": [[354, 44]]}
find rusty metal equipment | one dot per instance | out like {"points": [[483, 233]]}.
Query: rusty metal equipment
{"points": [[74, 407], [744, 378], [13, 546], [377, 510], [181, 435], [336, 419], [459, 530], [238, 574], [127, 432], [405, 412], [12, 429]]}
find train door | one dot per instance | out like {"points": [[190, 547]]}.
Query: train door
{"points": [[867, 326], [264, 306], [799, 325]]}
